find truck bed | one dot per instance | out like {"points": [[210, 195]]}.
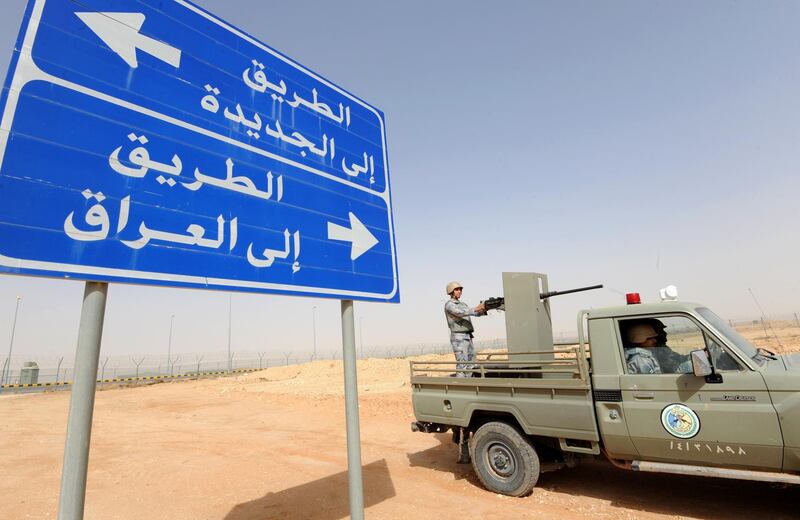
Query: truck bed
{"points": [[547, 397]]}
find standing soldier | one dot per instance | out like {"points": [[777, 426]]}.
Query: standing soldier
{"points": [[458, 320]]}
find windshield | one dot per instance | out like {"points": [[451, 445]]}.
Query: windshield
{"points": [[726, 330]]}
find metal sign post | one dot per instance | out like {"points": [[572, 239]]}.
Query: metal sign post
{"points": [[81, 406], [351, 412]]}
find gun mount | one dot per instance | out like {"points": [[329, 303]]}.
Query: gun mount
{"points": [[527, 311]]}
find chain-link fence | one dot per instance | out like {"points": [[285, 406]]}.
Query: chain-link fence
{"points": [[59, 369]]}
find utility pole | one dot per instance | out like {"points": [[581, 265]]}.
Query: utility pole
{"points": [[169, 344], [230, 307], [7, 374]]}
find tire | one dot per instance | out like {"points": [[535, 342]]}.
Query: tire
{"points": [[504, 460]]}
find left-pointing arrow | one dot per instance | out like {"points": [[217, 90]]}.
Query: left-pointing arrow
{"points": [[120, 31]]}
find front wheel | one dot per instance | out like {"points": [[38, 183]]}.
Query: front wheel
{"points": [[504, 460]]}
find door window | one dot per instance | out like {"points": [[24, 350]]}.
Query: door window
{"points": [[721, 360], [663, 345]]}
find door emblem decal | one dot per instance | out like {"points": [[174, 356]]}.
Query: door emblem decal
{"points": [[680, 421]]}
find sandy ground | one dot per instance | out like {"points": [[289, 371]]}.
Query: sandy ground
{"points": [[271, 445]]}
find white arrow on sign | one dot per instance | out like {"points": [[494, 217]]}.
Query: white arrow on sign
{"points": [[357, 233], [120, 31]]}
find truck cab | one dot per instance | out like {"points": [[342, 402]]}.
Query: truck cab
{"points": [[738, 416]]}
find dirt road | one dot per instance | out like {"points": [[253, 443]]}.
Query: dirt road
{"points": [[271, 445]]}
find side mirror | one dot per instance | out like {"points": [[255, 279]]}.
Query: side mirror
{"points": [[701, 366]]}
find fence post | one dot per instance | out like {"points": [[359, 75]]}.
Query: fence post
{"points": [[137, 365], [103, 370], [58, 368]]}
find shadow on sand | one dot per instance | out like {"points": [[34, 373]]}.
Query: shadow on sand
{"points": [[323, 499], [695, 497], [443, 458]]}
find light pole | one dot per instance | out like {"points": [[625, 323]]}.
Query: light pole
{"points": [[7, 374], [169, 344], [230, 307], [314, 327]]}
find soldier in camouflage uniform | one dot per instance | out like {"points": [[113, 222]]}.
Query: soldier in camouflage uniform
{"points": [[458, 320]]}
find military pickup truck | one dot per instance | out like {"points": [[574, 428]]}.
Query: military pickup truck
{"points": [[715, 406]]}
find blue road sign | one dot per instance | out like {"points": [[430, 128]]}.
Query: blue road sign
{"points": [[149, 142]]}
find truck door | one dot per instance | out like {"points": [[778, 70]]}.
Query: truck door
{"points": [[675, 416]]}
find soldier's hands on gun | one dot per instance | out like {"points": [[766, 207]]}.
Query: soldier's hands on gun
{"points": [[490, 304]]}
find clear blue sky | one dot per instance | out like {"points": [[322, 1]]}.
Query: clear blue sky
{"points": [[634, 144]]}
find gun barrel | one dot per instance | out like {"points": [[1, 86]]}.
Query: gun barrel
{"points": [[548, 294]]}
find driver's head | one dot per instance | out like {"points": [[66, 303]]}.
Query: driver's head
{"points": [[658, 325], [642, 335], [660, 329]]}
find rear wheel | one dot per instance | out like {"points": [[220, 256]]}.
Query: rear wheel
{"points": [[504, 460]]}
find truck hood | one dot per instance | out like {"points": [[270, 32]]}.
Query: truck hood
{"points": [[783, 379], [792, 361]]}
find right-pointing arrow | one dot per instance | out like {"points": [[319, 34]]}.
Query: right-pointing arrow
{"points": [[360, 237]]}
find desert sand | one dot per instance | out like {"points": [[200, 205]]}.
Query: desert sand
{"points": [[272, 445]]}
